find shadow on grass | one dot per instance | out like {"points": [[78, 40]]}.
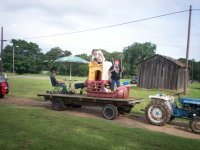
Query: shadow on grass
{"points": [[196, 88]]}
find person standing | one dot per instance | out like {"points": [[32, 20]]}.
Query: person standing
{"points": [[115, 71], [97, 56]]}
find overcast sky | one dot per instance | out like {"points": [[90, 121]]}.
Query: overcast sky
{"points": [[31, 18]]}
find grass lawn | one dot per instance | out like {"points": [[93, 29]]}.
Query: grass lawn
{"points": [[29, 88], [39, 128], [23, 128]]}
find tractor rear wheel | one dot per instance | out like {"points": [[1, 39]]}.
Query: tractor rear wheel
{"points": [[195, 125], [109, 112], [157, 113], [172, 118]]}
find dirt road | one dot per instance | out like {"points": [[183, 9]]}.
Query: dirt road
{"points": [[134, 121]]}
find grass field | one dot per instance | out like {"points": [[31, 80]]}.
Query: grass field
{"points": [[24, 128], [30, 87], [28, 128]]}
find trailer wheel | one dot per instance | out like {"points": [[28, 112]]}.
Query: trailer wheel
{"points": [[157, 113], [110, 112], [58, 105], [76, 106], [124, 109], [195, 125], [1, 96]]}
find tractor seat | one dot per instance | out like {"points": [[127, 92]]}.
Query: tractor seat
{"points": [[190, 101]]}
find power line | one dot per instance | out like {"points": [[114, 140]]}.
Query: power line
{"points": [[179, 46], [110, 26], [196, 9]]}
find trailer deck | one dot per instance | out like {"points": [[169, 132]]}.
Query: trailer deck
{"points": [[79, 97], [111, 106]]}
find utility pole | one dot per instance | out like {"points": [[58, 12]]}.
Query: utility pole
{"points": [[1, 62], [187, 53]]}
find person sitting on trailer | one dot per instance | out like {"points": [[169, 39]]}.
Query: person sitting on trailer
{"points": [[57, 83], [107, 88], [97, 56], [115, 71]]}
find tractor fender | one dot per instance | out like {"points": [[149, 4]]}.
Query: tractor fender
{"points": [[165, 101]]}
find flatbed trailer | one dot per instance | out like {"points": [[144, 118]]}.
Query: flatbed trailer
{"points": [[111, 107]]}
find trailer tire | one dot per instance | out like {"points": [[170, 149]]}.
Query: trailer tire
{"points": [[109, 112], [58, 105], [158, 113], [124, 109], [1, 96], [76, 106], [195, 125]]}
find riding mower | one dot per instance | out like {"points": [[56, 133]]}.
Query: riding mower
{"points": [[163, 109]]}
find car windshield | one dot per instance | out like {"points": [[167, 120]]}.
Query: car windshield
{"points": [[2, 78]]}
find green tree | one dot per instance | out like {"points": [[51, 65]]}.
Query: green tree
{"points": [[112, 56], [28, 57], [135, 53], [54, 54], [194, 68], [84, 56], [81, 69], [106, 54], [116, 56]]}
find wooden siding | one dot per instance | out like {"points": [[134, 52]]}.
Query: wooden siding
{"points": [[160, 73]]}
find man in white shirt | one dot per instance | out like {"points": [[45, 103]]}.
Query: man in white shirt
{"points": [[97, 56]]}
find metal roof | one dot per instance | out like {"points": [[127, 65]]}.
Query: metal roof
{"points": [[179, 63]]}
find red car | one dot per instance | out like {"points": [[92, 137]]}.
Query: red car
{"points": [[3, 86]]}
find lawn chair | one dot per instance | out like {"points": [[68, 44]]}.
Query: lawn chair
{"points": [[57, 88], [81, 86]]}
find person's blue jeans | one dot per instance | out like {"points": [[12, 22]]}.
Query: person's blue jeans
{"points": [[113, 84], [64, 87]]}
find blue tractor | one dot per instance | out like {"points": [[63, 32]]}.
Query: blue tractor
{"points": [[163, 109]]}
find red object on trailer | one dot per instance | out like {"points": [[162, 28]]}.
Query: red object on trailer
{"points": [[97, 89]]}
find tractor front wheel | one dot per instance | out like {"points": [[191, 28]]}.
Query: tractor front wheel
{"points": [[195, 125], [157, 113]]}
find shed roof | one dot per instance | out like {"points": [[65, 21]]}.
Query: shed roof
{"points": [[179, 63]]}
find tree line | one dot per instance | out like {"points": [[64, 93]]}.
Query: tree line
{"points": [[29, 58]]}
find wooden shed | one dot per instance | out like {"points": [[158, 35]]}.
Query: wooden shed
{"points": [[161, 72]]}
